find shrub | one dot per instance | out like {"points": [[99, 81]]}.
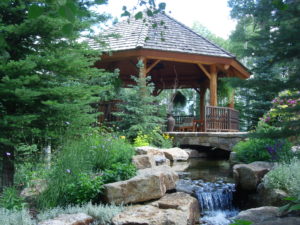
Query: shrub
{"points": [[286, 177], [141, 140], [85, 187], [10, 199], [119, 172], [265, 149], [73, 177], [15, 217]]}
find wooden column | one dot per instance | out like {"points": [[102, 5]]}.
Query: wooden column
{"points": [[142, 73], [231, 100], [213, 85], [202, 102]]}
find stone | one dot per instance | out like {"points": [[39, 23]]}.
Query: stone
{"points": [[144, 150], [69, 219], [175, 209], [38, 186], [160, 159], [266, 215], [149, 184], [195, 154], [143, 161], [270, 197], [175, 154], [180, 166], [248, 176]]}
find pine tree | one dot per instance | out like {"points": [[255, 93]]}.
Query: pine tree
{"points": [[273, 48], [47, 82]]}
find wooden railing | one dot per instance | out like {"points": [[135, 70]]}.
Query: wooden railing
{"points": [[216, 119], [221, 119]]}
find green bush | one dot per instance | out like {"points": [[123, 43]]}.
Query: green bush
{"points": [[10, 199], [265, 149], [77, 166], [85, 187], [286, 177], [119, 172]]}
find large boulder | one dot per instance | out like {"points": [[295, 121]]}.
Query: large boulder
{"points": [[267, 215], [175, 209], [248, 176], [69, 219], [175, 154], [143, 161], [149, 184], [269, 196], [159, 156]]}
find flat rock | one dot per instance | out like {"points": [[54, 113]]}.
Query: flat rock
{"points": [[248, 176], [267, 215], [149, 184], [143, 161], [175, 209], [144, 150], [175, 154], [69, 219]]}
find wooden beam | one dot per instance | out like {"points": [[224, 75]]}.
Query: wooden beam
{"points": [[226, 67], [204, 70], [202, 103], [152, 66], [213, 86], [197, 90], [231, 100]]}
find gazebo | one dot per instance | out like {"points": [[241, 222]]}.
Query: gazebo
{"points": [[174, 54]]}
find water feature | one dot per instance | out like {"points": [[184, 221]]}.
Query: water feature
{"points": [[210, 181]]}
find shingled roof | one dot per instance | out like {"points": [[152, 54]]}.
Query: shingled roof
{"points": [[168, 35]]}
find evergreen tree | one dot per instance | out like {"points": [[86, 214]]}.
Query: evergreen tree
{"points": [[268, 34], [47, 82]]}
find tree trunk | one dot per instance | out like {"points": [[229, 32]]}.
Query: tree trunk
{"points": [[8, 168]]}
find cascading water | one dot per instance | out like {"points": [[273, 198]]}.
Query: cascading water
{"points": [[216, 202]]}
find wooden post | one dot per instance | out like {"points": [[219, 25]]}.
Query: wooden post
{"points": [[202, 103], [213, 86], [142, 73], [231, 100]]}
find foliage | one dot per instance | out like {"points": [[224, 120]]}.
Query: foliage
{"points": [[241, 222], [285, 177], [102, 213], [293, 205], [141, 140], [84, 188], [28, 172], [118, 172], [79, 166], [10, 199], [266, 38], [15, 217], [140, 111], [255, 149]]}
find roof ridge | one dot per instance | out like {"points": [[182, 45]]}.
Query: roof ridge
{"points": [[188, 28], [143, 30]]}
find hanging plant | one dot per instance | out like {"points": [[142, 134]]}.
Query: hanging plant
{"points": [[179, 99]]}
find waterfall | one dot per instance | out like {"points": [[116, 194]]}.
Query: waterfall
{"points": [[216, 202]]}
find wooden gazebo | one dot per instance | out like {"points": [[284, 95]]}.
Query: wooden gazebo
{"points": [[173, 53]]}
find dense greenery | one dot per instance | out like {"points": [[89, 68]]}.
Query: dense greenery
{"points": [[83, 166]]}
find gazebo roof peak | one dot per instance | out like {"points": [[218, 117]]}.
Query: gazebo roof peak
{"points": [[160, 32]]}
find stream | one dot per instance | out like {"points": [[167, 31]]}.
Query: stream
{"points": [[210, 181]]}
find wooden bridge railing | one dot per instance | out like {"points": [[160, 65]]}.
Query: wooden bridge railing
{"points": [[216, 119], [221, 119]]}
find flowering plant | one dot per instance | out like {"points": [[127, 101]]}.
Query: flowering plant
{"points": [[280, 111]]}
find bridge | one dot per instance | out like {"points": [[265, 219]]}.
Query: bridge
{"points": [[222, 140]]}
